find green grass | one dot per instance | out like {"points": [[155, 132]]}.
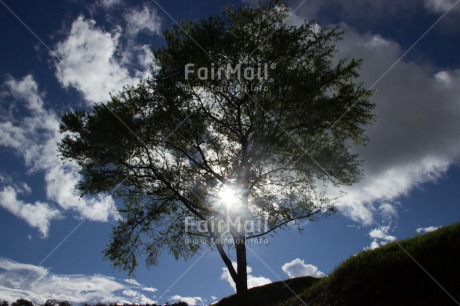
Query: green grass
{"points": [[385, 276]]}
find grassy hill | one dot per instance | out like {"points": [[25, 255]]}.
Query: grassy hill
{"points": [[385, 276], [274, 293]]}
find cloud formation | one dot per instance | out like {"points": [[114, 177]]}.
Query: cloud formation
{"points": [[109, 3], [18, 280], [132, 281], [192, 301], [86, 61], [424, 230], [142, 20], [97, 62], [414, 138], [150, 289], [442, 6], [33, 136], [38, 214], [380, 236], [297, 268], [253, 281]]}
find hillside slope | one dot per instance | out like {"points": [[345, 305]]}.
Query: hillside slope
{"points": [[424, 270], [274, 293]]}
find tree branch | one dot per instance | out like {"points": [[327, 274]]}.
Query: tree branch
{"points": [[284, 223], [227, 261]]}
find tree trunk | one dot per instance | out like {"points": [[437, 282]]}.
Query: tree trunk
{"points": [[240, 245], [242, 275]]}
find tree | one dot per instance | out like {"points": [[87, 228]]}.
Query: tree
{"points": [[233, 137], [22, 302]]}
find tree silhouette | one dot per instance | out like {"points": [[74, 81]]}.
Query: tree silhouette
{"points": [[232, 139], [53, 302], [22, 302]]}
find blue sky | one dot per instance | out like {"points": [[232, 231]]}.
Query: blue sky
{"points": [[62, 55]]}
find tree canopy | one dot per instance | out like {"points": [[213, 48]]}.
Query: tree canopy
{"points": [[246, 117]]}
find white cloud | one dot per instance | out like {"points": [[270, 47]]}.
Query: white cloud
{"points": [[132, 281], [150, 289], [86, 61], [382, 233], [109, 3], [297, 268], [145, 59], [444, 78], [388, 185], [414, 139], [374, 245], [423, 230], [19, 187], [97, 62], [253, 281], [18, 280], [388, 211], [442, 6], [192, 301], [142, 20], [34, 138], [137, 297], [129, 292], [256, 281], [381, 237], [38, 215]]}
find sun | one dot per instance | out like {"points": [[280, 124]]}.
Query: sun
{"points": [[230, 197]]}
